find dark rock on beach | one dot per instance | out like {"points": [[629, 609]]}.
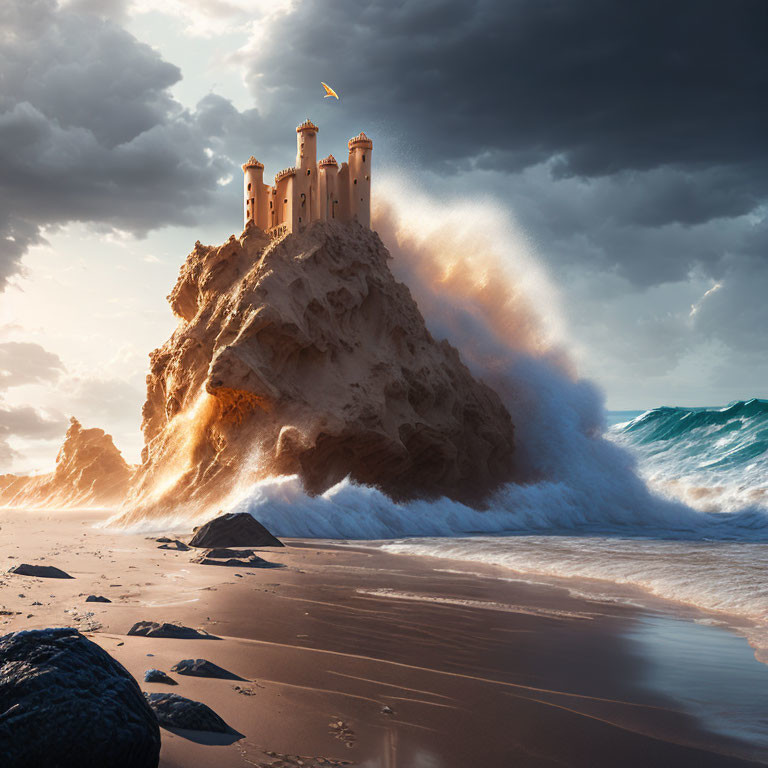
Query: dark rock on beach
{"points": [[235, 529], [223, 553], [42, 571], [176, 631], [97, 599], [203, 668], [175, 544], [67, 703], [158, 676], [174, 711], [250, 561]]}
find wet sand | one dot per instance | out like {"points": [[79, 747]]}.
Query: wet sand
{"points": [[357, 657]]}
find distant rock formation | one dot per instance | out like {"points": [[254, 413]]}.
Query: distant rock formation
{"points": [[90, 472], [305, 356]]}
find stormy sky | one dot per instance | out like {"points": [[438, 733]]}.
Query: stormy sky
{"points": [[626, 140]]}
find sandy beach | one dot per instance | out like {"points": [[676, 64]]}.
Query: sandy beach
{"points": [[351, 656]]}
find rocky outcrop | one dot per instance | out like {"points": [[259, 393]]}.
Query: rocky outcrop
{"points": [[66, 702], [305, 356], [90, 472]]}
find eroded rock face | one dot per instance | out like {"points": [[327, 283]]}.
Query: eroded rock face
{"points": [[66, 702], [305, 356], [90, 472]]}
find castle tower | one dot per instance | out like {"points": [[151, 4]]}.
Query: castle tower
{"points": [[327, 188], [255, 194], [306, 200], [285, 201], [360, 151]]}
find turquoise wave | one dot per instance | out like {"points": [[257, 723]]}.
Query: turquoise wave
{"points": [[720, 449]]}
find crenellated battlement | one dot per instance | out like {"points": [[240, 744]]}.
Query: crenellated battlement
{"points": [[285, 172], [301, 194], [361, 140], [307, 125]]}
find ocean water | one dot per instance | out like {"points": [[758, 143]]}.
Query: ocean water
{"points": [[671, 503]]}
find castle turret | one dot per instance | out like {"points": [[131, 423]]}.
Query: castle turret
{"points": [[255, 194], [306, 145], [360, 151]]}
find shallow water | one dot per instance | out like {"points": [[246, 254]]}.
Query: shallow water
{"points": [[709, 671]]}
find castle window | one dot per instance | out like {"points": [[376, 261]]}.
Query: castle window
{"points": [[285, 200], [249, 187], [270, 205], [367, 178], [355, 181], [299, 219], [363, 158], [308, 172]]}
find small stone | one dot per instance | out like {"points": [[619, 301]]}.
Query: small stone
{"points": [[176, 631], [158, 676], [174, 711], [41, 571], [203, 668]]}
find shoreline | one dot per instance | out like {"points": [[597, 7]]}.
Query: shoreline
{"points": [[473, 670]]}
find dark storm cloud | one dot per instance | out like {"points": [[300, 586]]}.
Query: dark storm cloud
{"points": [[627, 138], [603, 86], [89, 131]]}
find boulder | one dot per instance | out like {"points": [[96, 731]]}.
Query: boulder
{"points": [[41, 571], [164, 629], [235, 529], [66, 703], [203, 668], [174, 711], [97, 599]]}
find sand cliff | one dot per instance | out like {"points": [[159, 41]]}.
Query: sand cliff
{"points": [[305, 356], [90, 472]]}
